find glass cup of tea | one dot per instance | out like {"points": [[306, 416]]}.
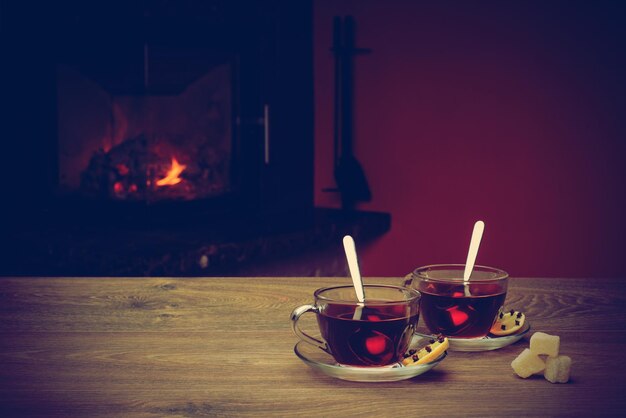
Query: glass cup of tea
{"points": [[456, 308], [376, 332]]}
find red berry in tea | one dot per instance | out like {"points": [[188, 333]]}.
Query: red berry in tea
{"points": [[377, 344], [457, 316]]}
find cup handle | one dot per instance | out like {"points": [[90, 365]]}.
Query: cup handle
{"points": [[408, 280], [295, 316]]}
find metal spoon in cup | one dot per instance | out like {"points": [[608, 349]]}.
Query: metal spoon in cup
{"points": [[357, 281], [477, 235]]}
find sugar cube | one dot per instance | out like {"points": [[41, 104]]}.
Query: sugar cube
{"points": [[542, 343], [527, 364], [557, 369]]}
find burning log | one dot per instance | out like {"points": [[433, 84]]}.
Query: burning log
{"points": [[172, 175], [141, 170]]}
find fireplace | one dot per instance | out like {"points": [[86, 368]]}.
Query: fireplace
{"points": [[163, 138], [162, 107]]}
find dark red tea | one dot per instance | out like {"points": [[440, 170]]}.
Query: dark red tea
{"points": [[447, 310], [380, 337]]}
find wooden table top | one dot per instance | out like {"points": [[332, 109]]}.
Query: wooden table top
{"points": [[192, 347]]}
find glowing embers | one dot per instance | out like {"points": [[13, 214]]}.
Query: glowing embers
{"points": [[144, 169], [172, 178], [138, 182]]}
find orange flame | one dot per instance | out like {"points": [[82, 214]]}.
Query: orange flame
{"points": [[172, 175]]}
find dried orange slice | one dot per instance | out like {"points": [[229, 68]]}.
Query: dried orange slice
{"points": [[508, 323], [432, 351]]}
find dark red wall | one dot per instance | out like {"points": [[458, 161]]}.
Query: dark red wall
{"points": [[509, 112]]}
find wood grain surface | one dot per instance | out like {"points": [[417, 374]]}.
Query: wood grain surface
{"points": [[196, 347]]}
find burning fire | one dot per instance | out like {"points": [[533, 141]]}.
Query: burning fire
{"points": [[172, 175]]}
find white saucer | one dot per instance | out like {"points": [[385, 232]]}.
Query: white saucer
{"points": [[488, 343], [324, 362]]}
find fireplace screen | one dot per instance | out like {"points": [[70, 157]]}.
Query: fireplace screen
{"points": [[150, 146]]}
